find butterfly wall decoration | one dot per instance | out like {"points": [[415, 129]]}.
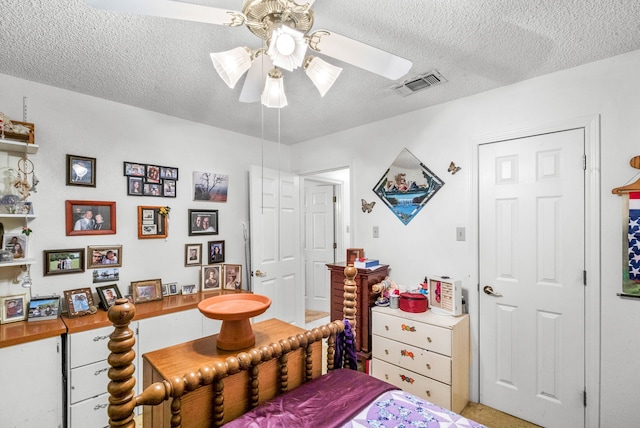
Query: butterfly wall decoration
{"points": [[453, 168], [367, 207]]}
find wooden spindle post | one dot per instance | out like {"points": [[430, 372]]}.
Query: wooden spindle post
{"points": [[350, 296], [121, 387]]}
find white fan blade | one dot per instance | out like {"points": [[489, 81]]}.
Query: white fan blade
{"points": [[255, 79], [303, 2], [168, 9], [360, 54]]}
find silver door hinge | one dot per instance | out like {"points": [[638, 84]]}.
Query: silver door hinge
{"points": [[335, 245], [335, 199], [585, 398], [584, 162], [584, 278]]}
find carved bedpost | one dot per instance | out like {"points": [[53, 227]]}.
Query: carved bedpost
{"points": [[121, 395], [350, 296]]}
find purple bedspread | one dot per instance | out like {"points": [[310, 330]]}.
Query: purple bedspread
{"points": [[327, 401]]}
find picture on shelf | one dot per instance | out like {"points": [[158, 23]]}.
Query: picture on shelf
{"points": [[216, 251], [189, 289], [211, 276], [13, 308], [108, 295], [192, 254], [79, 302], [147, 291], [16, 244], [43, 308], [233, 277]]}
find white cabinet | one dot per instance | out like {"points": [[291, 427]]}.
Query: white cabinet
{"points": [[87, 397], [31, 378], [425, 354]]}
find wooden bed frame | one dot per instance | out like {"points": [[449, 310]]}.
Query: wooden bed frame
{"points": [[122, 400]]}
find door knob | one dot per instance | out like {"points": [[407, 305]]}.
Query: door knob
{"points": [[260, 273], [489, 290]]}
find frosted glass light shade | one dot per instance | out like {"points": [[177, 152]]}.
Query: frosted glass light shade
{"points": [[287, 47], [273, 95], [231, 65], [322, 74]]}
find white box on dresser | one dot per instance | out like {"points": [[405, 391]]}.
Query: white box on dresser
{"points": [[423, 353]]}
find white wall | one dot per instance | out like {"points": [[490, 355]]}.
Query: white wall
{"points": [[447, 133], [70, 123]]}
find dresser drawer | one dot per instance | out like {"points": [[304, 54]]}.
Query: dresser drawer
{"points": [[89, 346], [90, 413], [421, 386], [426, 336], [89, 381], [423, 362]]}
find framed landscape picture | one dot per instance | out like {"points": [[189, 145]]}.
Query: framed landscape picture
{"points": [[58, 262]]}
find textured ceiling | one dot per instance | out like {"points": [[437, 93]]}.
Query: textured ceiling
{"points": [[163, 65]]}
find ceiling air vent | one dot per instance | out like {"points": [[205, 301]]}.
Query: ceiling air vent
{"points": [[419, 83]]}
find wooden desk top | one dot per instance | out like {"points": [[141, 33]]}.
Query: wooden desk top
{"points": [[182, 358]]}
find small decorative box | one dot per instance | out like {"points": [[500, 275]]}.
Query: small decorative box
{"points": [[413, 302]]}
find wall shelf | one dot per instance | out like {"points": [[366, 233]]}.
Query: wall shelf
{"points": [[27, 216], [19, 262], [17, 146]]}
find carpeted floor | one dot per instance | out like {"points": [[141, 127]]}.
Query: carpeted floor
{"points": [[310, 315], [493, 418]]}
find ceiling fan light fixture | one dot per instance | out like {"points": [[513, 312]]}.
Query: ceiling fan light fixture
{"points": [[232, 64], [273, 95], [287, 47], [322, 74]]}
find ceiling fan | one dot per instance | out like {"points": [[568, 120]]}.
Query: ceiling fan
{"points": [[284, 26]]}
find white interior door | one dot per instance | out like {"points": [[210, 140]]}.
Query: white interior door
{"points": [[275, 243], [532, 250], [319, 243]]}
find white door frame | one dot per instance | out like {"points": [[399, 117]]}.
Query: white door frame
{"points": [[591, 126]]}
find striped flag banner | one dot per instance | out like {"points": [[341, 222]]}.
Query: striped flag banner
{"points": [[634, 236]]}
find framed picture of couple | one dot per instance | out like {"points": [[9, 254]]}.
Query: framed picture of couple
{"points": [[203, 222], [90, 217]]}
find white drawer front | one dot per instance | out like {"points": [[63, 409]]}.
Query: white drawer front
{"points": [[90, 413], [426, 336], [423, 362], [89, 346], [420, 386], [89, 381]]}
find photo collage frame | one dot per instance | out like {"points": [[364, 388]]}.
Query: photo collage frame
{"points": [[151, 180]]}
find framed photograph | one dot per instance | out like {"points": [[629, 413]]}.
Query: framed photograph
{"points": [[81, 171], [134, 186], [211, 278], [106, 275], [153, 174], [215, 250], [13, 308], [90, 218], [169, 188], [58, 262], [132, 169], [354, 254], [168, 173], [23, 208], [189, 289], [146, 291], [16, 243], [79, 302], [233, 277], [43, 308], [192, 254], [203, 222], [172, 288], [152, 189], [210, 186], [104, 256], [151, 224], [108, 295]]}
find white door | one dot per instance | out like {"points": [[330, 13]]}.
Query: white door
{"points": [[319, 243], [532, 250], [275, 243]]}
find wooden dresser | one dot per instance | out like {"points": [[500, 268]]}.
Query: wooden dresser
{"points": [[197, 411], [365, 279], [423, 353]]}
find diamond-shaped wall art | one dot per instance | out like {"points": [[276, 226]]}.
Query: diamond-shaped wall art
{"points": [[407, 186]]}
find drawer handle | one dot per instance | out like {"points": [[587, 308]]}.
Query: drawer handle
{"points": [[429, 339], [386, 327], [407, 379], [97, 372], [386, 351], [408, 328], [100, 406], [406, 353], [428, 393], [98, 338], [428, 366], [386, 376]]}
